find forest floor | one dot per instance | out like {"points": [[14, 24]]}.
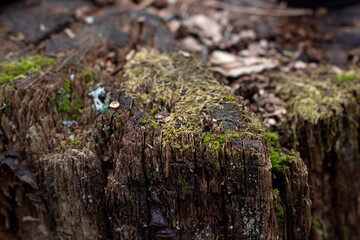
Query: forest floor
{"points": [[247, 45], [241, 41]]}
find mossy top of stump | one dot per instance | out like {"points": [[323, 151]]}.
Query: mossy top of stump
{"points": [[319, 94], [178, 94]]}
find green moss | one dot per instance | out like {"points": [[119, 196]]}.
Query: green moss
{"points": [[65, 104], [279, 208], [59, 125], [67, 86], [154, 122], [279, 159], [119, 125], [53, 103], [176, 84], [78, 105], [75, 144], [345, 233], [315, 224], [185, 186], [11, 71], [107, 130], [65, 97], [318, 95], [89, 76], [347, 76], [74, 25]]}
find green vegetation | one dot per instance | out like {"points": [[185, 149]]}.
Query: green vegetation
{"points": [[347, 76], [318, 95], [185, 186], [13, 70], [201, 111], [65, 103], [75, 144], [89, 76], [176, 84], [279, 208], [279, 159], [65, 96], [78, 105]]}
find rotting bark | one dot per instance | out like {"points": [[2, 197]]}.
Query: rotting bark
{"points": [[125, 181], [324, 116], [223, 192]]}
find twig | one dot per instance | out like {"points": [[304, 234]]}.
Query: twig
{"points": [[261, 11]]}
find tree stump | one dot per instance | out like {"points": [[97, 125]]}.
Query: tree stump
{"points": [[175, 156], [323, 121]]}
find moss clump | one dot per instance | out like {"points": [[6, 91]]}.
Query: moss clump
{"points": [[65, 103], [75, 144], [11, 71], [89, 76], [176, 84], [78, 105], [347, 76], [279, 208], [65, 96], [279, 159], [185, 186], [318, 95]]}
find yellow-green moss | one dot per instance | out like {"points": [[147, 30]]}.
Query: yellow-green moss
{"points": [[75, 144], [185, 186], [318, 95], [13, 70], [89, 76], [176, 84], [65, 97]]}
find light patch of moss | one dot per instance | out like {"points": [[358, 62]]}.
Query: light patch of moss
{"points": [[65, 105], [347, 76], [176, 84], [13, 70], [78, 105], [75, 144], [89, 76], [65, 97], [318, 95]]}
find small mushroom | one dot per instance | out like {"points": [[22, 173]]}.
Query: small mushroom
{"points": [[157, 220], [114, 104]]}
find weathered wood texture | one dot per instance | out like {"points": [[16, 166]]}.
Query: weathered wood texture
{"points": [[115, 176], [323, 120], [149, 177]]}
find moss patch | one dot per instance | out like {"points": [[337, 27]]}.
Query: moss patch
{"points": [[279, 158], [176, 84], [318, 95], [13, 70]]}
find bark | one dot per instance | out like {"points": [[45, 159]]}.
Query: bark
{"points": [[114, 176], [328, 141]]}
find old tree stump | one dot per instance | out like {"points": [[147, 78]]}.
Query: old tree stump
{"points": [[174, 157]]}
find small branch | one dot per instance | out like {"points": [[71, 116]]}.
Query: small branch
{"points": [[290, 12]]}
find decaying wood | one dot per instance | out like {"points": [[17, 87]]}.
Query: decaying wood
{"points": [[324, 119], [118, 175]]}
